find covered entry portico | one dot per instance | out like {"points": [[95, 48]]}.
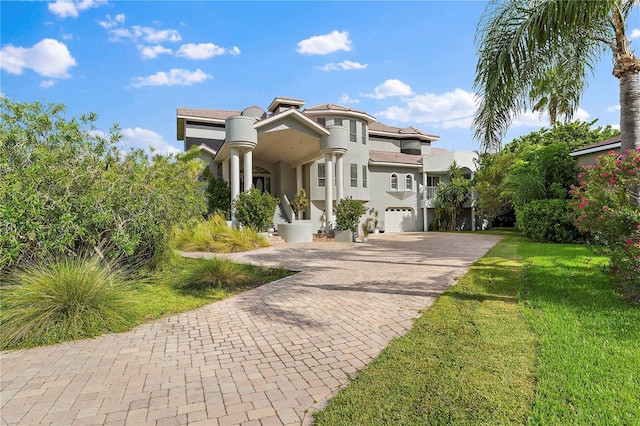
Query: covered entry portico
{"points": [[282, 144]]}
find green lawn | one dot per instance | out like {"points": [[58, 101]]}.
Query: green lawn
{"points": [[533, 334]]}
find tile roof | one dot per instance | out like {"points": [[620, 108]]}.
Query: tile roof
{"points": [[409, 130], [395, 157], [216, 114], [335, 107], [609, 141]]}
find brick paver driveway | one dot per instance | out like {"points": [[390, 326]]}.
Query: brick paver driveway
{"points": [[269, 356]]}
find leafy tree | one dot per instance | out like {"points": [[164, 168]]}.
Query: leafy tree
{"points": [[218, 195], [521, 42], [348, 213], [65, 189], [255, 209], [451, 197], [492, 172]]}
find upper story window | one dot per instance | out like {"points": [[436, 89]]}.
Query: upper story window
{"points": [[353, 137], [394, 182], [433, 180], [337, 121], [321, 175], [408, 183], [364, 133], [410, 146], [322, 121], [364, 176], [354, 175]]}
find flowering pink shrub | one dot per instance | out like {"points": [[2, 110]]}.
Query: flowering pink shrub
{"points": [[606, 203]]}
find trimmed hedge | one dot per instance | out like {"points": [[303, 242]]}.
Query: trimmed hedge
{"points": [[548, 221]]}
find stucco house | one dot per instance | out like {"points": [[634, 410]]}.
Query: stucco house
{"points": [[587, 155], [331, 151]]}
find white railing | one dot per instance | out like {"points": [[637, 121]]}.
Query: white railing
{"points": [[286, 207], [430, 192]]}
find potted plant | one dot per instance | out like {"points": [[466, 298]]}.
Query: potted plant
{"points": [[300, 203], [376, 229], [365, 232], [348, 213]]}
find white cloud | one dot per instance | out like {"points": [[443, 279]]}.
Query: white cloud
{"points": [[615, 126], [145, 139], [324, 44], [389, 88], [345, 99], [152, 52], [67, 36], [343, 66], [613, 108], [48, 57], [45, 84], [635, 33], [69, 8], [148, 34], [204, 51], [446, 110], [110, 22], [175, 77]]}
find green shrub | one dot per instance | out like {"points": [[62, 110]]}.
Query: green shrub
{"points": [[300, 202], [72, 298], [67, 189], [348, 213], [214, 235], [212, 273], [255, 209], [218, 197], [548, 221]]}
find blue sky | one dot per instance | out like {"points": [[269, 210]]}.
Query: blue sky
{"points": [[135, 62]]}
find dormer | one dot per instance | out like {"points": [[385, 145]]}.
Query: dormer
{"points": [[280, 104]]}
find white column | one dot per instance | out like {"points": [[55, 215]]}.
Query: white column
{"points": [[473, 206], [298, 178], [339, 177], [213, 169], [424, 201], [248, 169], [328, 190], [235, 178], [225, 170]]}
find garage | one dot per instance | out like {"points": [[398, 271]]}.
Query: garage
{"points": [[399, 219]]}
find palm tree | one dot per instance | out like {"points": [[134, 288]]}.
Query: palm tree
{"points": [[522, 41], [550, 93]]}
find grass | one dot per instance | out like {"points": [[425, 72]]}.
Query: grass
{"points": [[52, 303], [214, 235], [64, 299], [533, 334]]}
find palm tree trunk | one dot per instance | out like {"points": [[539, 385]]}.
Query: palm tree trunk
{"points": [[630, 110]]}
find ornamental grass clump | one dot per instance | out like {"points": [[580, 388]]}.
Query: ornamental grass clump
{"points": [[216, 273], [606, 205], [214, 235], [50, 301]]}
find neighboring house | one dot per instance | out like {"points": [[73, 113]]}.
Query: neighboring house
{"points": [[587, 155], [331, 151]]}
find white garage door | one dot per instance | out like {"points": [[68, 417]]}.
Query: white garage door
{"points": [[399, 219]]}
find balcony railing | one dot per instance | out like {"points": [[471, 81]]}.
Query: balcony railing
{"points": [[430, 192]]}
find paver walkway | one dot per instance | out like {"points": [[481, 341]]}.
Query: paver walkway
{"points": [[269, 356]]}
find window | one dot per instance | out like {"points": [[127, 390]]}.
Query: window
{"points": [[410, 146], [433, 180], [337, 121], [322, 121], [353, 137], [394, 182], [364, 176], [408, 183], [354, 175], [364, 133], [321, 175]]}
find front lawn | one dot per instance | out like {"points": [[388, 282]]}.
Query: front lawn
{"points": [[533, 334]]}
